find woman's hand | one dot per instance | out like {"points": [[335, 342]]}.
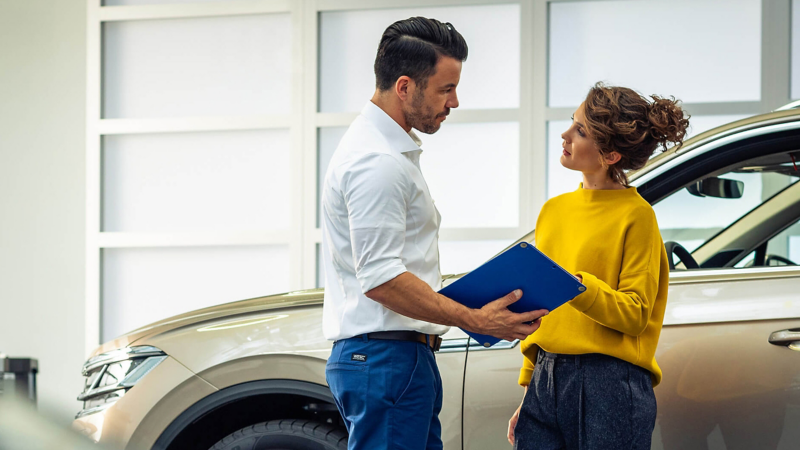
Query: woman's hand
{"points": [[513, 424]]}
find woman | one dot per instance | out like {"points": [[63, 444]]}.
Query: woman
{"points": [[590, 369]]}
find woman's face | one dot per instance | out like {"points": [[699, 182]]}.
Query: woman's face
{"points": [[580, 152]]}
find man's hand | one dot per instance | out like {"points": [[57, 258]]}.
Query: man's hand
{"points": [[496, 320]]}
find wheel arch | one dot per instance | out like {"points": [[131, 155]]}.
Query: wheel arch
{"points": [[304, 398]]}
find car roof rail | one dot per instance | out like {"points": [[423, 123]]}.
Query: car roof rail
{"points": [[793, 105]]}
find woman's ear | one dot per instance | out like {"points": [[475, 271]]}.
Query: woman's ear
{"points": [[612, 158]]}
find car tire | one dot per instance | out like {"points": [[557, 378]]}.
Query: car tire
{"points": [[285, 435]]}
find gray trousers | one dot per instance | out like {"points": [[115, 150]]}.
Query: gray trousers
{"points": [[586, 402]]}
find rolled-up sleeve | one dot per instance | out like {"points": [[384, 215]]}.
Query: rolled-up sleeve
{"points": [[375, 190]]}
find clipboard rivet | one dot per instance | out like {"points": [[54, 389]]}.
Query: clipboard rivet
{"points": [[487, 345], [581, 288], [523, 245]]}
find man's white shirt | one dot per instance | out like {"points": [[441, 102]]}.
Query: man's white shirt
{"points": [[378, 221]]}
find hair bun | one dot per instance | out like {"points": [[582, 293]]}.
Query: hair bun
{"points": [[668, 121]]}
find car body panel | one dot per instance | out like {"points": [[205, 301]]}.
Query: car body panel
{"points": [[725, 384], [491, 395], [733, 300], [209, 343], [254, 305]]}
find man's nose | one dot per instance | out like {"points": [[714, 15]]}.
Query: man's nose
{"points": [[452, 102]]}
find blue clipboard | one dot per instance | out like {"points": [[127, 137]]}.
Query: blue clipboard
{"points": [[544, 284]]}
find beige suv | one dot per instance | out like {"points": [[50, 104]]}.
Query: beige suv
{"points": [[251, 374]]}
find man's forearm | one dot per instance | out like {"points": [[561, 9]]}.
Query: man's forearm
{"points": [[408, 295], [412, 297]]}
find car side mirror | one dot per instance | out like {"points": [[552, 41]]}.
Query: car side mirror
{"points": [[717, 187]]}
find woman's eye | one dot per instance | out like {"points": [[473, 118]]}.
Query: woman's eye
{"points": [[580, 132]]}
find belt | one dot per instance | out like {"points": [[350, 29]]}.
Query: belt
{"points": [[432, 340]]}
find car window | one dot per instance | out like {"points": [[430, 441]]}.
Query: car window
{"points": [[782, 249], [692, 220]]}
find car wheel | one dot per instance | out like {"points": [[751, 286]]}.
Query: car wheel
{"points": [[285, 435]]}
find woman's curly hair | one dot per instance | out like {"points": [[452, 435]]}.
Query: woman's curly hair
{"points": [[621, 120]]}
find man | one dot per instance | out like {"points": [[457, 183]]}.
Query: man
{"points": [[380, 250]]}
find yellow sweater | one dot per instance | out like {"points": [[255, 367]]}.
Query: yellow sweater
{"points": [[610, 238]]}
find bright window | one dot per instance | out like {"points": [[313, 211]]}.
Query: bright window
{"points": [[218, 66], [142, 285], [209, 181], [696, 50], [489, 78]]}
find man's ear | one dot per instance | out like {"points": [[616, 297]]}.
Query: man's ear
{"points": [[404, 87], [612, 158]]}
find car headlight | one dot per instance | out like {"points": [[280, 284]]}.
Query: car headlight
{"points": [[110, 375]]}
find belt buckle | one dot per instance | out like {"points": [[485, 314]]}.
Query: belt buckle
{"points": [[436, 342]]}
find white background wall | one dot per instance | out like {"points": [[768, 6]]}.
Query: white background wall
{"points": [[42, 118]]}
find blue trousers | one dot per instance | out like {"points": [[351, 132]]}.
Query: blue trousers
{"points": [[388, 392], [586, 402]]}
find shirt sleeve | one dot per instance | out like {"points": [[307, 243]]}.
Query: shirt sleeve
{"points": [[375, 190], [627, 309]]}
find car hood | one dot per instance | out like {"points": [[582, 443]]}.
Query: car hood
{"points": [[289, 299]]}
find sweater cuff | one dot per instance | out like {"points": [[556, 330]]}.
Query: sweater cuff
{"points": [[585, 300], [525, 375]]}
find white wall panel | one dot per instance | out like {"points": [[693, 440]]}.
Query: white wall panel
{"points": [[472, 171], [560, 180], [142, 285], [490, 76], [696, 50], [210, 181], [328, 141], [152, 2], [320, 267], [234, 65], [795, 63], [465, 256]]}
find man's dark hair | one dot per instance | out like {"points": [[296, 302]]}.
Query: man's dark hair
{"points": [[412, 47]]}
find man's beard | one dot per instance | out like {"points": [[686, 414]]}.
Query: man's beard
{"points": [[422, 117]]}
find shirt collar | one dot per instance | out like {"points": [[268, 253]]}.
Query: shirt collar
{"points": [[397, 137]]}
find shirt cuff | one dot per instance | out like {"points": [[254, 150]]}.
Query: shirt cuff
{"points": [[585, 300], [378, 274]]}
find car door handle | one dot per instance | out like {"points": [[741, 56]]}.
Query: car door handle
{"points": [[786, 338]]}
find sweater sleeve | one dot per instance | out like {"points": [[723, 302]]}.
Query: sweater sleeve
{"points": [[627, 309], [526, 373]]}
